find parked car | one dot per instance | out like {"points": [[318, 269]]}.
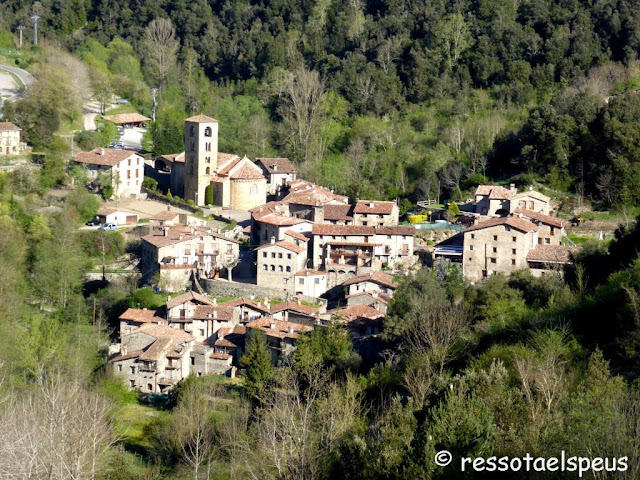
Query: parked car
{"points": [[93, 222], [109, 227], [122, 101]]}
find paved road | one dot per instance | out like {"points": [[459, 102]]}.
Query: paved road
{"points": [[25, 78]]}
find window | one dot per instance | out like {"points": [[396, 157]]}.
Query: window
{"points": [[289, 256], [317, 281], [132, 383], [193, 131], [273, 268], [137, 173], [513, 261], [264, 254], [288, 269], [207, 171], [193, 146], [280, 268], [273, 254], [133, 369], [129, 162], [193, 360], [207, 146], [202, 332], [513, 239], [264, 267], [513, 251], [149, 386], [301, 281], [473, 236], [507, 228], [207, 132], [495, 238], [364, 224], [493, 260], [128, 174], [470, 247], [279, 255], [229, 248], [531, 205], [495, 250], [120, 367], [547, 241], [470, 259]]}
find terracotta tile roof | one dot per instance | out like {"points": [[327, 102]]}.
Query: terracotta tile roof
{"points": [[201, 119], [337, 212], [270, 207], [356, 312], [173, 157], [287, 245], [174, 234], [163, 331], [494, 192], [7, 126], [217, 312], [109, 157], [276, 165], [108, 211], [397, 230], [277, 328], [297, 235], [513, 222], [249, 303], [239, 330], [122, 118], [246, 172], [307, 193], [165, 215], [141, 315], [541, 217], [225, 342], [380, 278], [550, 253], [371, 206], [345, 230], [295, 307], [128, 356], [157, 349], [279, 220], [226, 161], [189, 296]]}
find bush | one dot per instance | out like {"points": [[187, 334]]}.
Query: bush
{"points": [[150, 183], [93, 242]]}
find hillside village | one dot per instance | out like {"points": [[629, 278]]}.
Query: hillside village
{"points": [[313, 257]]}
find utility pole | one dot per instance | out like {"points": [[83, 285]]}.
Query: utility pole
{"points": [[35, 29], [154, 91], [20, 29]]}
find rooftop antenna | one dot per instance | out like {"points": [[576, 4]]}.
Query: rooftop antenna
{"points": [[35, 19]]}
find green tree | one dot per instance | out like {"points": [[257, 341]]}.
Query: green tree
{"points": [[258, 366]]}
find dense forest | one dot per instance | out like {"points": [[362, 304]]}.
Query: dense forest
{"points": [[376, 99], [393, 99]]}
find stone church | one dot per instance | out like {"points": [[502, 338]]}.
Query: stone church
{"points": [[212, 177]]}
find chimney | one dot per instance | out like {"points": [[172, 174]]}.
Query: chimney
{"points": [[215, 301], [215, 314], [168, 208], [272, 326], [168, 298], [530, 188], [275, 168], [512, 187], [290, 330], [371, 205], [286, 315], [144, 308], [165, 231], [273, 240], [102, 152]]}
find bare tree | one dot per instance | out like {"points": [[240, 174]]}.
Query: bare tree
{"points": [[161, 47], [452, 175], [303, 91], [229, 261]]}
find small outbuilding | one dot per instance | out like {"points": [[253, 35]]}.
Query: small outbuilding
{"points": [[128, 120], [119, 217]]}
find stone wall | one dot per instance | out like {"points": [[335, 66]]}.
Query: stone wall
{"points": [[222, 288]]}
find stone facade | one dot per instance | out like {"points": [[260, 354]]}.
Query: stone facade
{"points": [[311, 283], [278, 262], [375, 213], [124, 168], [201, 156], [9, 139]]}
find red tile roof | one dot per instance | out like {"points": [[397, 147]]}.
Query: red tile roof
{"points": [[141, 315], [217, 312], [226, 161], [513, 222], [7, 126], [182, 233], [372, 206], [123, 118], [246, 172], [356, 312], [373, 295], [190, 296], [297, 235], [380, 278], [307, 193], [163, 331], [309, 273], [287, 245], [220, 356], [165, 215], [397, 230], [295, 307], [128, 356], [277, 328], [103, 156], [337, 212], [541, 217], [345, 230], [249, 303], [173, 157]]}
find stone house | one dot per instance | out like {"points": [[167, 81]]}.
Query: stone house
{"points": [[297, 312], [497, 245], [551, 228], [9, 139], [203, 319], [181, 252], [375, 213], [373, 299], [273, 220], [235, 183], [125, 169], [378, 282], [281, 336], [492, 200], [549, 259], [532, 201], [338, 214], [249, 309], [279, 173], [171, 218], [133, 318], [153, 357], [278, 262], [311, 283], [307, 200], [361, 320]]}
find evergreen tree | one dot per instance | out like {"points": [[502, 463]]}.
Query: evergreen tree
{"points": [[258, 367]]}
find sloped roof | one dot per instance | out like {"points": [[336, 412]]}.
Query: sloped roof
{"points": [[217, 312], [541, 217], [356, 312], [380, 278], [181, 233], [188, 297], [246, 173], [226, 161], [296, 235], [141, 315], [534, 194], [163, 331], [550, 254], [7, 126], [295, 307], [173, 157], [276, 165], [374, 206], [165, 215], [200, 119], [346, 230], [495, 192], [280, 329], [122, 118], [109, 157], [397, 230], [287, 245], [337, 212], [514, 222], [249, 303]]}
